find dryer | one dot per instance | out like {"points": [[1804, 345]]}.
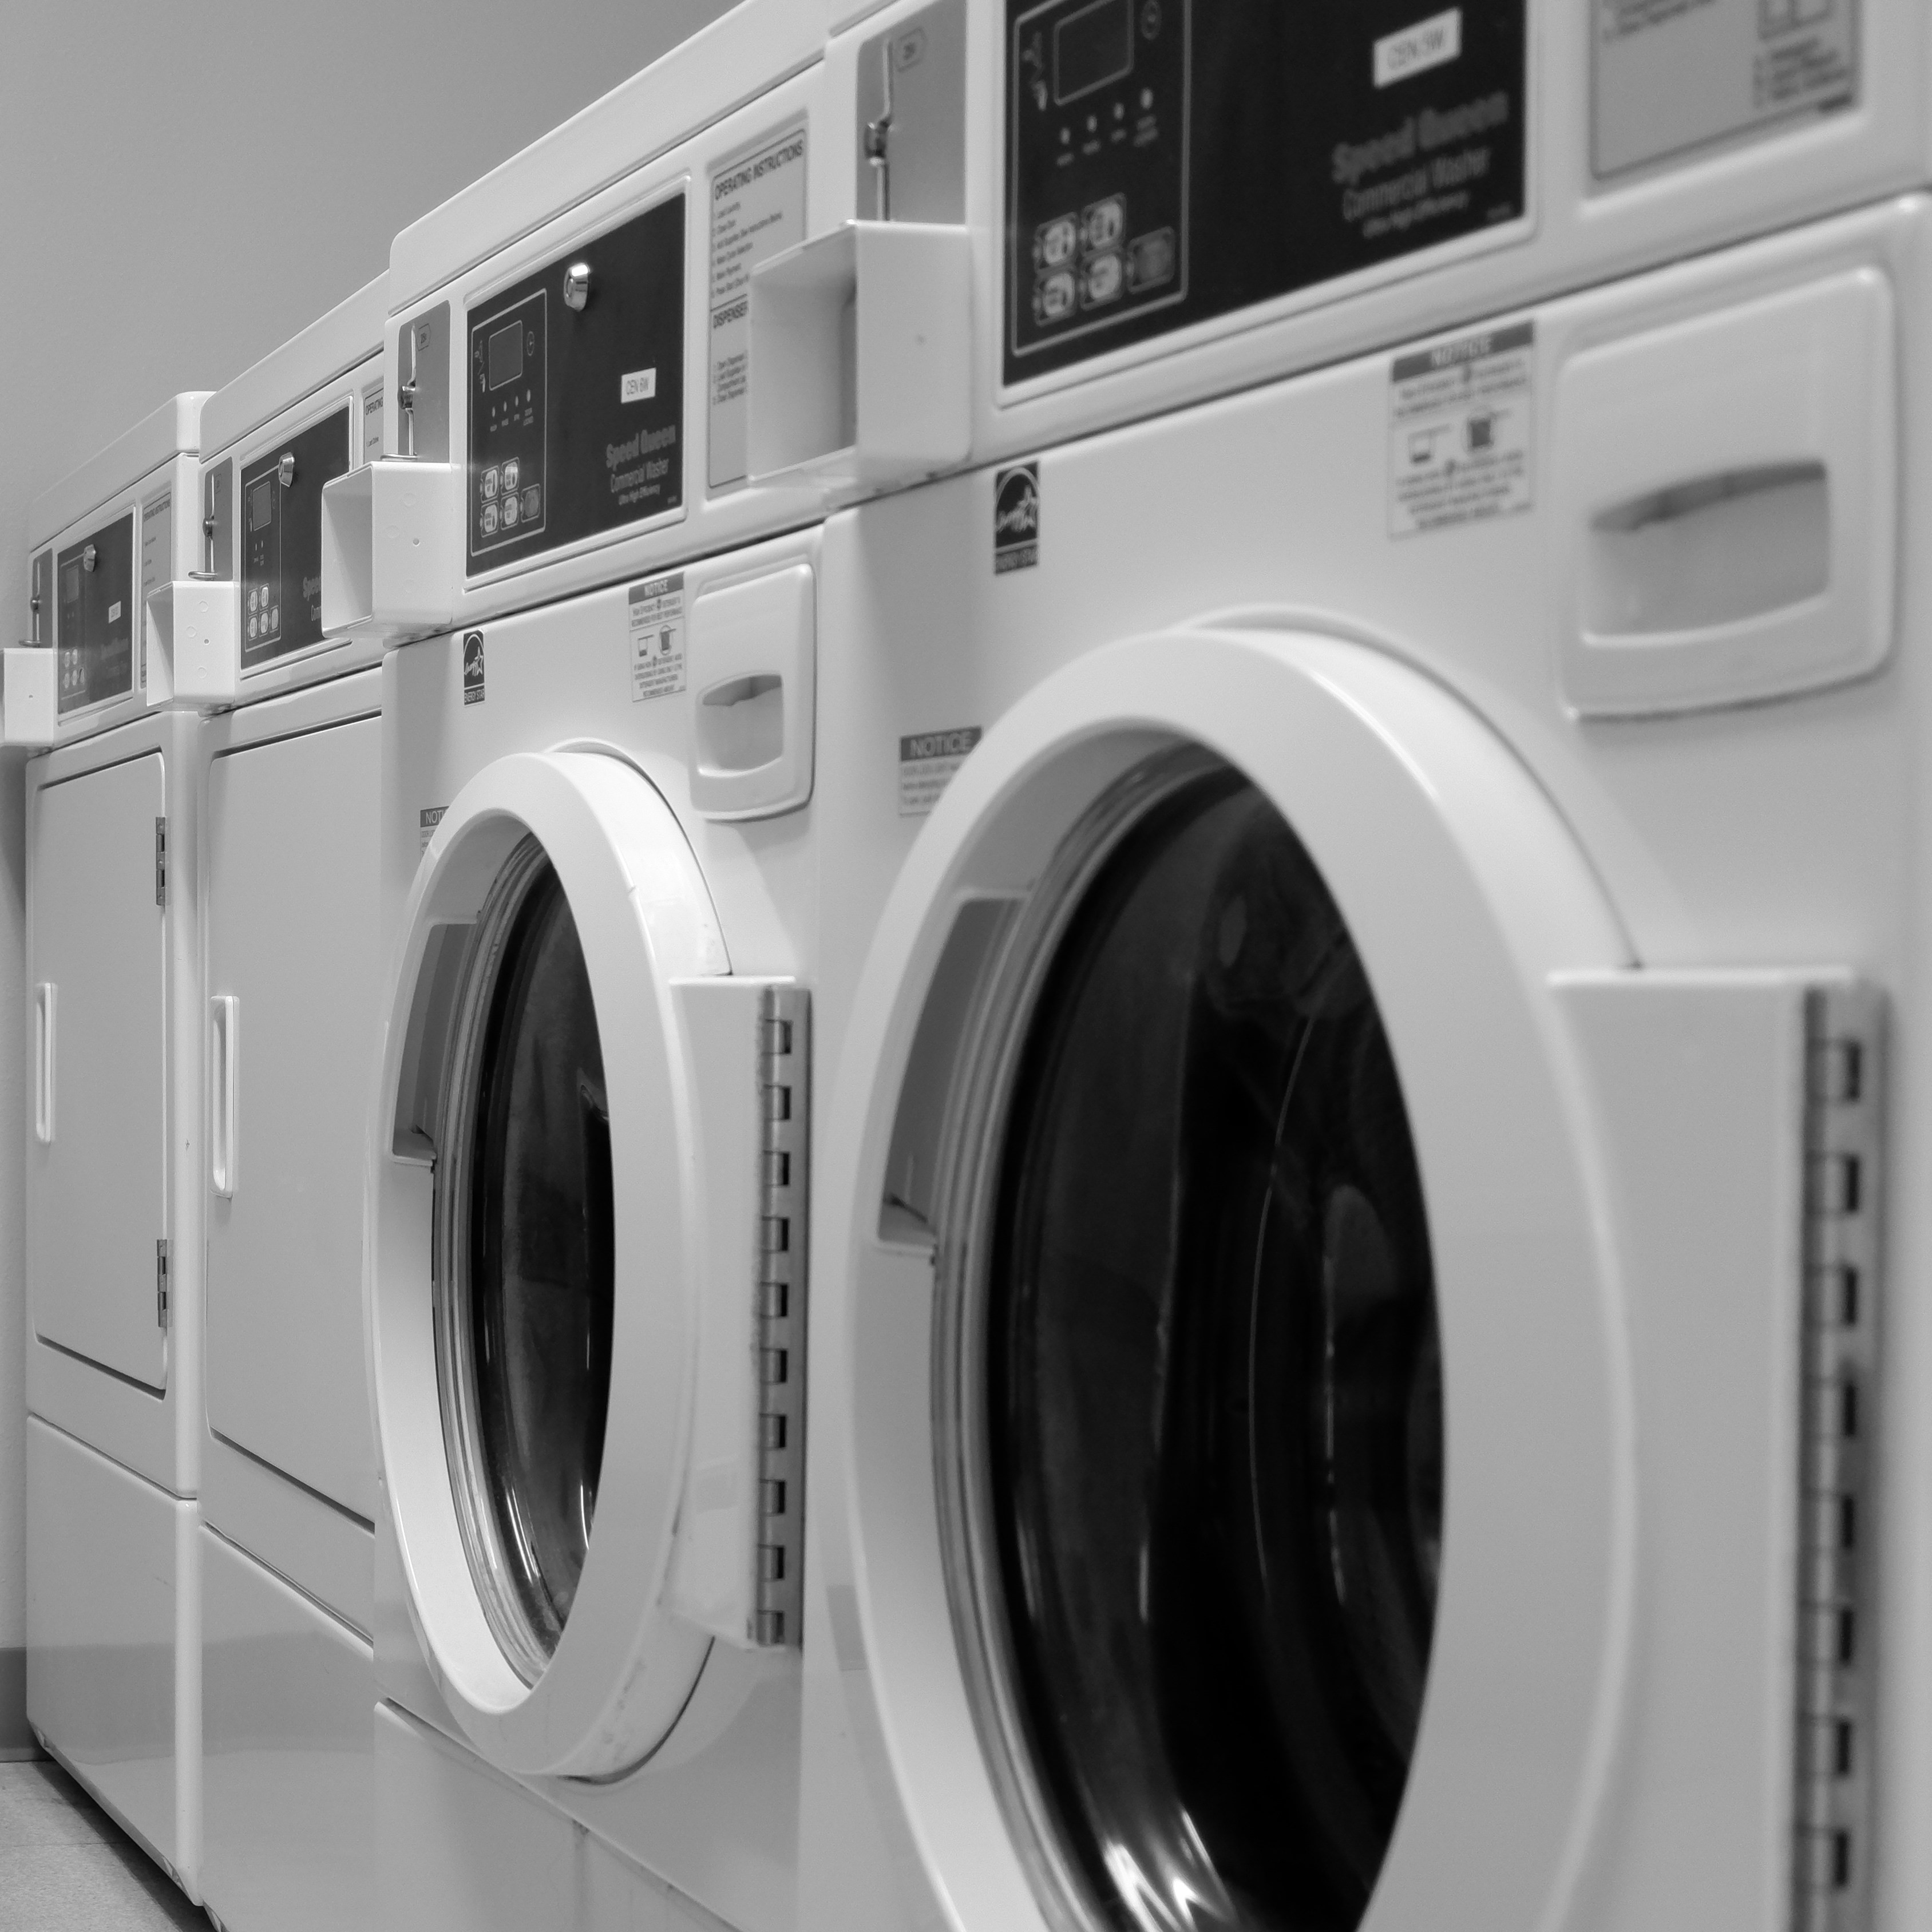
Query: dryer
{"points": [[1353, 1383], [1070, 214], [113, 1212], [289, 771]]}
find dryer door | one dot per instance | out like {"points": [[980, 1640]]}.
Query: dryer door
{"points": [[1209, 1149], [544, 1363]]}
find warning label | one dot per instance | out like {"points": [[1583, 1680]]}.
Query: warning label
{"points": [[1461, 417], [927, 761], [656, 612], [427, 819], [757, 209], [1671, 76]]}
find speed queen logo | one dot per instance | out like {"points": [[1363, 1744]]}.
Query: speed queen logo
{"points": [[1016, 518]]}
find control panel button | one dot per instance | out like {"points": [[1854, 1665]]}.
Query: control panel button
{"points": [[490, 479], [510, 478], [1104, 223], [489, 520], [273, 622], [1055, 244], [510, 509], [1102, 281], [1150, 260], [1053, 297], [533, 502]]}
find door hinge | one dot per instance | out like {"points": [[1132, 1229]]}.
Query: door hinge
{"points": [[1832, 1878], [161, 1282], [161, 861], [784, 1024]]}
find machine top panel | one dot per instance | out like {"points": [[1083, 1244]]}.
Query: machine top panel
{"points": [[351, 332], [733, 60], [173, 430], [1171, 161]]}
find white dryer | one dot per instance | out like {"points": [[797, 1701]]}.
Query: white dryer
{"points": [[1072, 214], [1346, 1360], [113, 1206], [289, 774]]}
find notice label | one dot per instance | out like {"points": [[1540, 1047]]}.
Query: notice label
{"points": [[427, 821], [1461, 416], [1669, 77], [927, 761], [656, 615], [757, 209]]}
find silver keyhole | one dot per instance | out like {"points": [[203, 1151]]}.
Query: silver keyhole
{"points": [[577, 285], [89, 557], [286, 470]]}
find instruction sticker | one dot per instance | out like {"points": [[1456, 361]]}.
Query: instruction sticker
{"points": [[757, 209], [927, 761], [1668, 76], [1460, 419], [656, 608], [427, 819]]}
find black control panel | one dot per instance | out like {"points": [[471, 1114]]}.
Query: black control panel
{"points": [[281, 539], [94, 629], [1170, 160], [577, 394]]}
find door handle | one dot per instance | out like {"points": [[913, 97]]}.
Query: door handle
{"points": [[225, 1014], [44, 1063]]}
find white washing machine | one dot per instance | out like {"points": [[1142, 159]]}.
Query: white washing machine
{"points": [[289, 772], [1353, 1383], [113, 1206], [1267, 188], [586, 1212]]}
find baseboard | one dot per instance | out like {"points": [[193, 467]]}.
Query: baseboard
{"points": [[16, 1739]]}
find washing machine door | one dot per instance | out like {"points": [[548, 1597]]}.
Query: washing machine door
{"points": [[1229, 1359], [540, 1245]]}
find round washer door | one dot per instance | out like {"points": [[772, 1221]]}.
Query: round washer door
{"points": [[533, 1259], [1236, 1485]]}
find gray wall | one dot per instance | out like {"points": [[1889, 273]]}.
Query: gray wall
{"points": [[183, 187]]}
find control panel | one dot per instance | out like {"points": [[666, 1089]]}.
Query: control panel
{"points": [[1170, 160], [280, 499], [94, 621], [576, 391]]}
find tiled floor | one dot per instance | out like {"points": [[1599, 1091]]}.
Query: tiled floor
{"points": [[65, 1866]]}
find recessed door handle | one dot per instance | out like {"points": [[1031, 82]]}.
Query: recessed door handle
{"points": [[225, 1018], [44, 1063]]}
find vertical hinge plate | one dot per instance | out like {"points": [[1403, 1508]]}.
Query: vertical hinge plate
{"points": [[161, 861], [161, 1310], [784, 1058], [1831, 1874]]}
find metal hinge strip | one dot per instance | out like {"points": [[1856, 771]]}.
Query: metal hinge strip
{"points": [[1832, 1874], [778, 1313], [161, 861], [161, 1308]]}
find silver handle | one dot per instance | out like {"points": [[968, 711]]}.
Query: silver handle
{"points": [[225, 1013], [44, 1063]]}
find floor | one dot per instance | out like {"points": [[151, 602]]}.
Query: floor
{"points": [[65, 1866]]}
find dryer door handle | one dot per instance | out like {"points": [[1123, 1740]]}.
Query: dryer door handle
{"points": [[225, 1021], [43, 1062]]}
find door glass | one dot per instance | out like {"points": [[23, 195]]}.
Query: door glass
{"points": [[1212, 1388], [526, 1305]]}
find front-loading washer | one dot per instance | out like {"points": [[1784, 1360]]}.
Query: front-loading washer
{"points": [[585, 1223], [289, 773], [1348, 1251], [113, 1213], [1071, 214]]}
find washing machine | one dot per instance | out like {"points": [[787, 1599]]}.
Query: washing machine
{"points": [[288, 772], [113, 1210], [1363, 1362], [1070, 215]]}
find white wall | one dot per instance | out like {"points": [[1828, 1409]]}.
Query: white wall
{"points": [[183, 187]]}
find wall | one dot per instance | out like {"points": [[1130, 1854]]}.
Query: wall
{"points": [[182, 187]]}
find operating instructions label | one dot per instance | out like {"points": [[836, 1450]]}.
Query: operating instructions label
{"points": [[928, 761], [1670, 76], [758, 209], [1461, 423], [656, 614]]}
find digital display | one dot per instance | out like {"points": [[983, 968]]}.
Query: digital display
{"points": [[1091, 47], [260, 503], [506, 355]]}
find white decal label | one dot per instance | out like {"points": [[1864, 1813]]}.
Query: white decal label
{"points": [[1461, 416], [427, 819], [927, 762], [639, 386], [656, 615], [1434, 42], [1669, 76], [757, 209]]}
